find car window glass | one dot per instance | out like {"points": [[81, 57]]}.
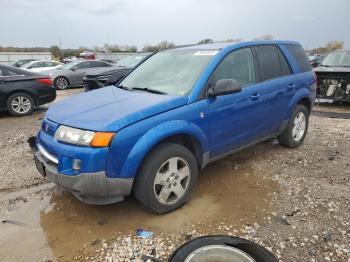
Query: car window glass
{"points": [[83, 65], [99, 64], [269, 61], [238, 65], [8, 72], [300, 56], [1, 73], [285, 68]]}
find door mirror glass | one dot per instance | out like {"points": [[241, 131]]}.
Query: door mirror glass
{"points": [[224, 87]]}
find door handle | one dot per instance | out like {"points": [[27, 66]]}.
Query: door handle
{"points": [[291, 85], [254, 96]]}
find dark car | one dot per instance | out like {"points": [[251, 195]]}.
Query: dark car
{"points": [[101, 78], [22, 62], [333, 77], [21, 91]]}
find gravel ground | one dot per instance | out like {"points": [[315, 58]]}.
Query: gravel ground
{"points": [[304, 216], [309, 219]]}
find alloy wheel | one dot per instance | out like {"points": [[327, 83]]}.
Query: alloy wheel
{"points": [[171, 181], [21, 105]]}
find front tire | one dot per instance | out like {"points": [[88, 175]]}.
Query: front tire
{"points": [[294, 134], [166, 178], [61, 83], [20, 104]]}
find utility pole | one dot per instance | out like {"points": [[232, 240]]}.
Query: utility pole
{"points": [[60, 44]]}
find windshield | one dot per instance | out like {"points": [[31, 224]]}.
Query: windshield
{"points": [[341, 58], [172, 72], [130, 61], [69, 65]]}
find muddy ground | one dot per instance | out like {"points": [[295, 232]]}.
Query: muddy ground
{"points": [[295, 202]]}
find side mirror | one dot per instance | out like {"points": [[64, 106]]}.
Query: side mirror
{"points": [[73, 68], [224, 87]]}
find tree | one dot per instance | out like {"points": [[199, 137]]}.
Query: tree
{"points": [[206, 41], [55, 51], [264, 37], [162, 45], [330, 46]]}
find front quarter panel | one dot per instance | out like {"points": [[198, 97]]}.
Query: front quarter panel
{"points": [[134, 142]]}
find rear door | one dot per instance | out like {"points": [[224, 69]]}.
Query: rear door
{"points": [[278, 85]]}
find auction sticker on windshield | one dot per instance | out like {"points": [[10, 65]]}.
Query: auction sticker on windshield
{"points": [[211, 53]]}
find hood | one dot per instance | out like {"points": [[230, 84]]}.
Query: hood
{"points": [[110, 108], [330, 69]]}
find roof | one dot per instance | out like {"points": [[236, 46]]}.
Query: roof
{"points": [[219, 46]]}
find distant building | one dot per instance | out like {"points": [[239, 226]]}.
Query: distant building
{"points": [[11, 57]]}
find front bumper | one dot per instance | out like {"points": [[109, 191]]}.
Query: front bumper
{"points": [[92, 188]]}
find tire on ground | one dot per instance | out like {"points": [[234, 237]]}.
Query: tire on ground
{"points": [[143, 188], [56, 84], [286, 138]]}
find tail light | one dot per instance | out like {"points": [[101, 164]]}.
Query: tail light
{"points": [[45, 81]]}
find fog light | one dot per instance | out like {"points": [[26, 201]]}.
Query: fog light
{"points": [[76, 164]]}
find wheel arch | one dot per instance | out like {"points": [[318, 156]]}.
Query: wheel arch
{"points": [[302, 97], [32, 95], [178, 131]]}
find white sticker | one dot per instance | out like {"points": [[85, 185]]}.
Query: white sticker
{"points": [[206, 53]]}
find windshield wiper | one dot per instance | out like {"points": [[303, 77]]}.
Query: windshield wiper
{"points": [[150, 90], [123, 87]]}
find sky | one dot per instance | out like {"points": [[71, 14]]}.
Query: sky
{"points": [[28, 23]]}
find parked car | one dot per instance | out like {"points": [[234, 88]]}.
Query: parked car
{"points": [[40, 66], [101, 78], [109, 61], [19, 63], [71, 74], [333, 77], [175, 113], [21, 91], [316, 59]]}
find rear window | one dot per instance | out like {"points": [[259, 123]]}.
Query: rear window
{"points": [[272, 62], [300, 56]]}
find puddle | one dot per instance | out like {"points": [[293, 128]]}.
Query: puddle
{"points": [[222, 193]]}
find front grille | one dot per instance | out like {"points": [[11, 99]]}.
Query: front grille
{"points": [[49, 127]]}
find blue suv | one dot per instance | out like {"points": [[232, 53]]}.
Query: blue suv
{"points": [[172, 115]]}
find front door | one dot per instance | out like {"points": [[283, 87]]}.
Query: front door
{"points": [[236, 119]]}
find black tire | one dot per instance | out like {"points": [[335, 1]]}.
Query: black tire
{"points": [[144, 188], [286, 138], [61, 83], [27, 104], [255, 251]]}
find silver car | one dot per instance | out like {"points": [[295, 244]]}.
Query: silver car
{"points": [[71, 74]]}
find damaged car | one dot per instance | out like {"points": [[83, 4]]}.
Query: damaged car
{"points": [[333, 77]]}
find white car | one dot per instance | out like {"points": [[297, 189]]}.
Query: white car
{"points": [[40, 66]]}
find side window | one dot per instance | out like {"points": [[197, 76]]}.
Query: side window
{"points": [[269, 61], [99, 64], [238, 65], [83, 65], [35, 65], [1, 73], [300, 56], [285, 67]]}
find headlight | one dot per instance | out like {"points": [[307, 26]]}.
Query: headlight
{"points": [[80, 137]]}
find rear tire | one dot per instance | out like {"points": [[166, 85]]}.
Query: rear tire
{"points": [[166, 178], [294, 134], [61, 83], [20, 104]]}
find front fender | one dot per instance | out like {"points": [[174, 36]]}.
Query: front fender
{"points": [[155, 135]]}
